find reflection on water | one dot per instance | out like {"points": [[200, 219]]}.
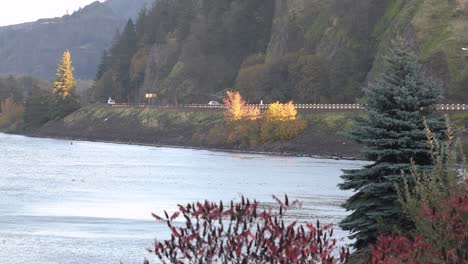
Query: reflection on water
{"points": [[90, 202]]}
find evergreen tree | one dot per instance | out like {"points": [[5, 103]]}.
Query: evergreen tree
{"points": [[65, 84], [102, 90], [10, 87], [126, 50], [102, 67], [140, 25], [393, 134], [37, 107]]}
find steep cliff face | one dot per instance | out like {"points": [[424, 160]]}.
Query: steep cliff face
{"points": [[437, 30], [34, 48], [311, 51], [353, 36], [331, 43]]}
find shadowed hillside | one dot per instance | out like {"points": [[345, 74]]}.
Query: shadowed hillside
{"points": [[34, 48], [312, 51]]}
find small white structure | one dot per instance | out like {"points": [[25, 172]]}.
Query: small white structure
{"points": [[110, 101], [213, 103]]}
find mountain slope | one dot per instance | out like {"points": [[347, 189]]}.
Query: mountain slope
{"points": [[127, 8], [312, 51], [34, 48], [437, 30]]}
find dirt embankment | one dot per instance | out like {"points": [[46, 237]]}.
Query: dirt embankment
{"points": [[324, 134]]}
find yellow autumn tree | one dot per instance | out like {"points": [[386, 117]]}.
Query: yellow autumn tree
{"points": [[234, 103], [281, 123], [236, 108], [281, 112], [64, 84], [251, 113]]}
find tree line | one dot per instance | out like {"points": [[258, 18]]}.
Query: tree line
{"points": [[32, 103], [194, 51]]}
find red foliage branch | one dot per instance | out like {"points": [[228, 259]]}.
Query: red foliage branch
{"points": [[449, 245], [242, 233], [397, 250]]}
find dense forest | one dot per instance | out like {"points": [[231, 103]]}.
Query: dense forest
{"points": [[19, 88], [309, 51]]}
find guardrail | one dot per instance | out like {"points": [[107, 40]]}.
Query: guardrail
{"points": [[318, 107], [452, 107]]}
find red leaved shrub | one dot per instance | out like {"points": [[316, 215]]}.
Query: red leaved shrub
{"points": [[444, 241], [244, 233], [397, 250]]}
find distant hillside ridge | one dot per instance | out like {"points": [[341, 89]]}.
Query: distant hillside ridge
{"points": [[34, 48]]}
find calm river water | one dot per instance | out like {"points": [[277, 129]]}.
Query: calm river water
{"points": [[87, 202]]}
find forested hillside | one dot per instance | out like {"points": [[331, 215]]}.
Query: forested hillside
{"points": [[313, 51], [34, 48]]}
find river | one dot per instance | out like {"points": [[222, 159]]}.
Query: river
{"points": [[82, 202]]}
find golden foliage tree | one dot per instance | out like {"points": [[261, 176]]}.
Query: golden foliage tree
{"points": [[65, 83], [279, 123], [250, 113], [281, 112], [234, 104], [237, 109]]}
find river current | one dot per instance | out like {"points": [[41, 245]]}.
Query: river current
{"points": [[65, 201]]}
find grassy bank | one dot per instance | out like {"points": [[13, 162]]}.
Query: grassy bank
{"points": [[324, 133]]}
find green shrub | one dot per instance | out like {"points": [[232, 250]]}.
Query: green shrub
{"points": [[436, 202], [243, 133], [281, 130]]}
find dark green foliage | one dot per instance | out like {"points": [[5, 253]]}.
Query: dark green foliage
{"points": [[60, 106], [103, 65], [10, 87], [37, 107], [116, 64], [125, 51], [103, 88], [140, 24], [19, 88], [310, 79], [394, 136], [297, 76], [192, 51], [201, 43], [437, 202]]}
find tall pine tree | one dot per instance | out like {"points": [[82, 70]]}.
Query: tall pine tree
{"points": [[103, 65], [393, 134], [37, 108], [127, 48]]}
